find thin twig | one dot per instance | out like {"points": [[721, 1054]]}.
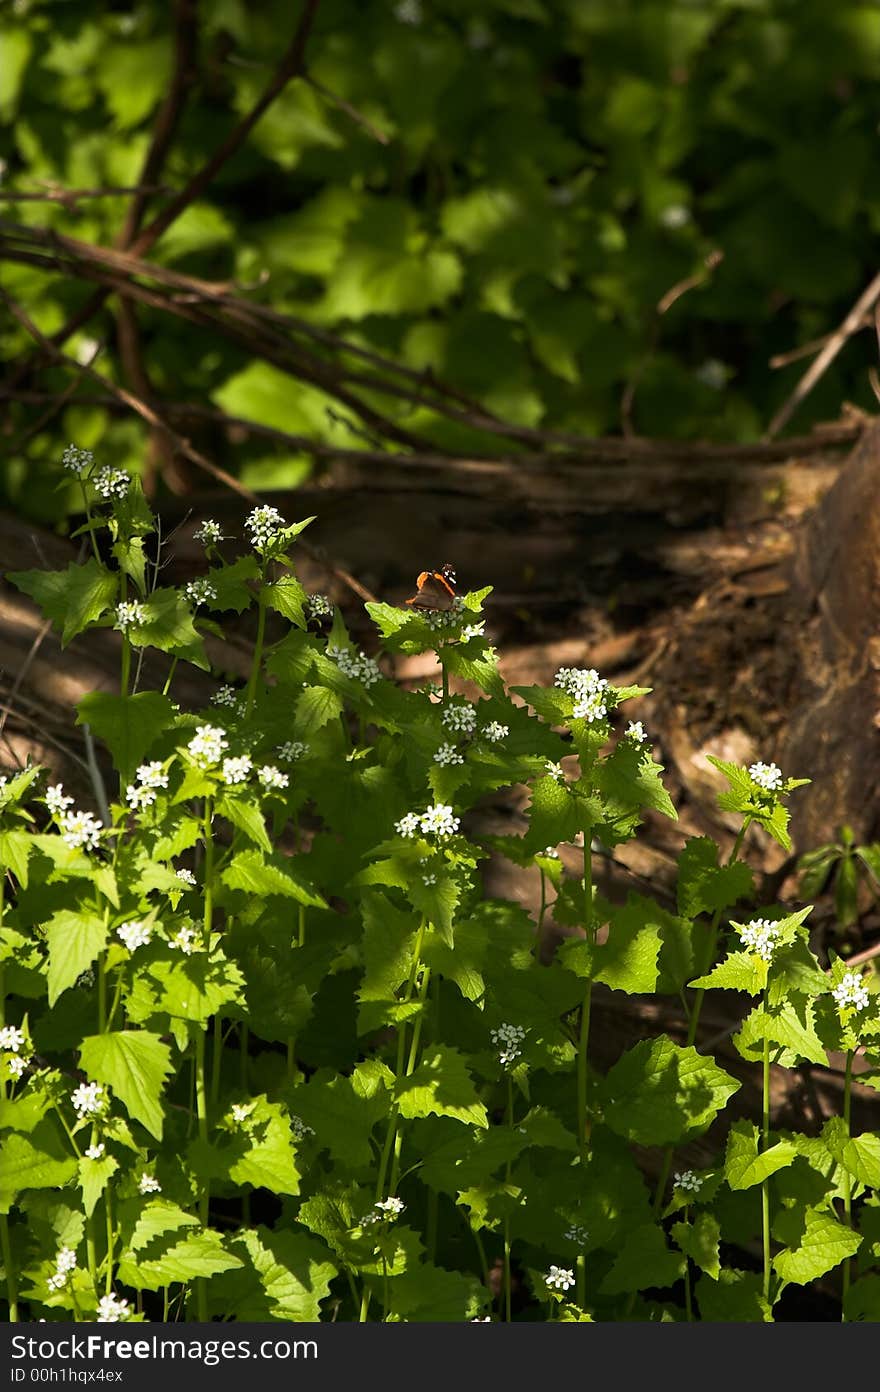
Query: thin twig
{"points": [[351, 111]]}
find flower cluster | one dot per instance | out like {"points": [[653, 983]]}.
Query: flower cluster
{"points": [[767, 776], [388, 1209], [11, 1038], [460, 717], [95, 1152], [78, 461], [291, 750], [130, 613], [80, 830], [264, 524], [560, 1278], [112, 483], [549, 853], [761, 937], [65, 1265], [272, 777], [186, 877], [576, 1234], [299, 1127], [494, 732], [444, 620], [226, 696], [150, 777], [207, 745], [148, 1185], [200, 591], [587, 689], [851, 992], [635, 731], [437, 821], [508, 1040], [88, 1099], [236, 770], [112, 1309], [134, 934], [209, 533], [553, 770], [448, 754], [184, 940], [57, 800], [319, 606], [689, 1182], [240, 1111], [355, 665]]}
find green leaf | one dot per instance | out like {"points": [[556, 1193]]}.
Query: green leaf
{"points": [[441, 1085], [15, 850], [789, 1025], [704, 886], [427, 1293], [41, 1160], [247, 818], [15, 45], [660, 1094], [343, 1112], [285, 1276], [154, 1219], [316, 706], [740, 971], [643, 1260], [94, 1176], [859, 1155], [269, 1162], [287, 597], [168, 626], [822, 1244], [862, 1301], [745, 1165], [735, 1296], [231, 584], [626, 779], [71, 598], [553, 816], [252, 873], [128, 725], [200, 1254], [628, 959], [75, 941], [699, 1240], [134, 1063]]}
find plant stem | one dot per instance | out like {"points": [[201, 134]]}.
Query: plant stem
{"points": [[584, 1037], [581, 1272], [765, 1143], [847, 1178], [391, 1134], [507, 1277], [165, 688], [712, 941], [9, 1268], [108, 1213], [258, 649], [205, 1192], [125, 672]]}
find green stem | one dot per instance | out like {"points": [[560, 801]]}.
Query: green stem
{"points": [[216, 1059], [302, 925], [391, 1133], [91, 525], [581, 1274], [765, 1145], [209, 871], [847, 1178], [584, 1037], [91, 1251], [102, 994], [9, 1268], [444, 677], [543, 908], [205, 1191], [258, 648], [507, 1275], [243, 1057], [125, 670], [111, 1240], [172, 670], [712, 941]]}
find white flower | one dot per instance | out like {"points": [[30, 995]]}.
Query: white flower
{"points": [[225, 696], [57, 800], [11, 1037], [291, 750], [586, 688], [130, 614], [148, 1185], [240, 1111], [184, 940], [80, 829], [209, 533], [319, 606], [675, 215], [767, 776], [409, 12], [577, 1234], [299, 1128], [760, 935], [271, 777], [112, 1309], [474, 630], [445, 620], [134, 934], [355, 665], [549, 853], [264, 524], [207, 745], [688, 1181], [65, 1263], [554, 771], [78, 461], [186, 877], [851, 992], [635, 730], [200, 591], [409, 825], [560, 1278], [236, 770], [112, 483], [712, 373], [495, 731], [139, 797], [88, 1098], [448, 754], [152, 775], [16, 1065], [95, 1152], [460, 718], [439, 820], [429, 880], [508, 1039], [385, 1208]]}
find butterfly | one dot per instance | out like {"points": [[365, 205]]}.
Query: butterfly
{"points": [[435, 589]]}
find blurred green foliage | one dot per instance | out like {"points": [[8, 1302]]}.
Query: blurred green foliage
{"points": [[553, 169]]}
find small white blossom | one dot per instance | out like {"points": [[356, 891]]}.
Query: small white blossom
{"points": [[577, 1234], [460, 718], [439, 821], [508, 1040], [57, 800], [95, 1152], [474, 630], [688, 1181], [429, 880], [134, 934], [264, 525], [271, 777], [851, 992], [299, 1127], [152, 775], [409, 825], [445, 620], [767, 776], [675, 215], [236, 770], [65, 1264], [554, 771], [139, 797], [112, 483], [78, 461], [712, 373], [760, 936], [16, 1065], [186, 877], [495, 731], [184, 940], [207, 745], [385, 1208], [80, 829], [148, 1185], [409, 12], [240, 1111], [635, 730], [12, 1038], [200, 591], [355, 665], [319, 607], [591, 706], [587, 689], [549, 853], [291, 750], [209, 533], [88, 1099], [448, 754], [130, 614], [112, 1309], [560, 1278], [225, 696]]}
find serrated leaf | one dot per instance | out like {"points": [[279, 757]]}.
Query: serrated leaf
{"points": [[783, 1026], [94, 1176], [154, 1219], [699, 1240], [128, 725], [287, 597], [661, 1094], [628, 780], [740, 971], [823, 1244], [252, 873], [134, 1063], [859, 1155], [643, 1260], [15, 850], [745, 1165], [441, 1085], [316, 706], [627, 961], [230, 582], [285, 1276], [71, 598], [736, 1296], [553, 817], [704, 886], [75, 940], [200, 1254], [342, 1112], [247, 818], [41, 1160]]}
